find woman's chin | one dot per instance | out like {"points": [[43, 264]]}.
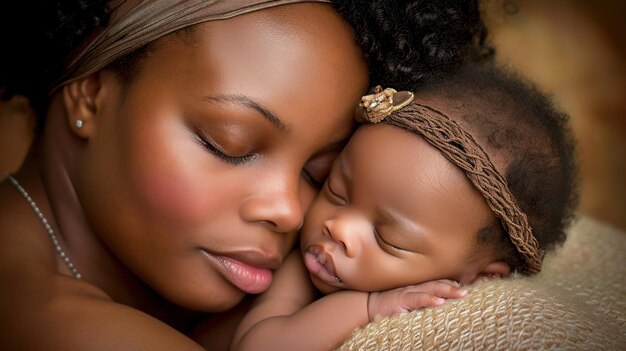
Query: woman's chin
{"points": [[206, 300]]}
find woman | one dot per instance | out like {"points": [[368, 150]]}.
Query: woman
{"points": [[175, 165]]}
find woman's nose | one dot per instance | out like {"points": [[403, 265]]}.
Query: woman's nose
{"points": [[277, 204]]}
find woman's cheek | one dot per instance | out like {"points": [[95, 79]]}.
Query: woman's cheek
{"points": [[176, 192], [174, 180]]}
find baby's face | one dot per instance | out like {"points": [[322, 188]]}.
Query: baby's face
{"points": [[393, 212]]}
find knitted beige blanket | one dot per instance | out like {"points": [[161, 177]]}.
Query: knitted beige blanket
{"points": [[578, 302]]}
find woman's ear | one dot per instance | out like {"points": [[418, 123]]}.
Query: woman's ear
{"points": [[79, 97]]}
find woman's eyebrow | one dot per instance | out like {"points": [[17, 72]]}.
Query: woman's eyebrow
{"points": [[245, 101]]}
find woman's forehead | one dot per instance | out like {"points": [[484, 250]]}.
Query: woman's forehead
{"points": [[288, 68], [135, 24]]}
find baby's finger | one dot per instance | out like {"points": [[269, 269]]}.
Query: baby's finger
{"points": [[442, 289], [449, 281], [415, 300]]}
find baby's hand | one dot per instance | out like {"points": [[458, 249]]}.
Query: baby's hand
{"points": [[412, 297]]}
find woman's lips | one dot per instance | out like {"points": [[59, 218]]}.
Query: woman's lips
{"points": [[247, 278], [320, 264]]}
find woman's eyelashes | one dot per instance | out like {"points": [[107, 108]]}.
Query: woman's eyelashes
{"points": [[316, 170], [315, 178], [217, 151], [313, 181]]}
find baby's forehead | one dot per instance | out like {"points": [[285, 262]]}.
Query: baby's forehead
{"points": [[381, 148], [400, 169]]}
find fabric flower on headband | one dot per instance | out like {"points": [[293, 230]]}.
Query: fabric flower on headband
{"points": [[382, 103]]}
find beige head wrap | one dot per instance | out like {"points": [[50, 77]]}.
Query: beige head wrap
{"points": [[458, 146], [135, 23]]}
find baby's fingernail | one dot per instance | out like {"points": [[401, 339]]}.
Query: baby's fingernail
{"points": [[463, 292], [440, 301]]}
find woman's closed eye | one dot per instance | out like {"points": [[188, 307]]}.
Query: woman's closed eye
{"points": [[312, 179], [316, 170], [213, 148]]}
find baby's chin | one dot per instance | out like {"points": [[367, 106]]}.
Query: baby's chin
{"points": [[325, 288]]}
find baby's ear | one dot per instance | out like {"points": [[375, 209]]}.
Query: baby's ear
{"points": [[79, 97], [494, 269]]}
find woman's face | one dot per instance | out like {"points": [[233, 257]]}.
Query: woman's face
{"points": [[200, 170], [393, 212]]}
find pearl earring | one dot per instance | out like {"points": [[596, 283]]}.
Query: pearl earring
{"points": [[79, 123]]}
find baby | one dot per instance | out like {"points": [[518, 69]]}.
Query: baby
{"points": [[474, 178]]}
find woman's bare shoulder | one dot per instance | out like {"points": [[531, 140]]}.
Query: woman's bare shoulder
{"points": [[43, 309], [64, 313]]}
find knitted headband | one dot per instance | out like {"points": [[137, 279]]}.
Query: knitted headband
{"points": [[460, 148], [135, 23]]}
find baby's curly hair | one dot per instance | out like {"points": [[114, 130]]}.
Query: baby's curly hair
{"points": [[511, 118], [402, 40]]}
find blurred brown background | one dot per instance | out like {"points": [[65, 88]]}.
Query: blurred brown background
{"points": [[575, 49]]}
